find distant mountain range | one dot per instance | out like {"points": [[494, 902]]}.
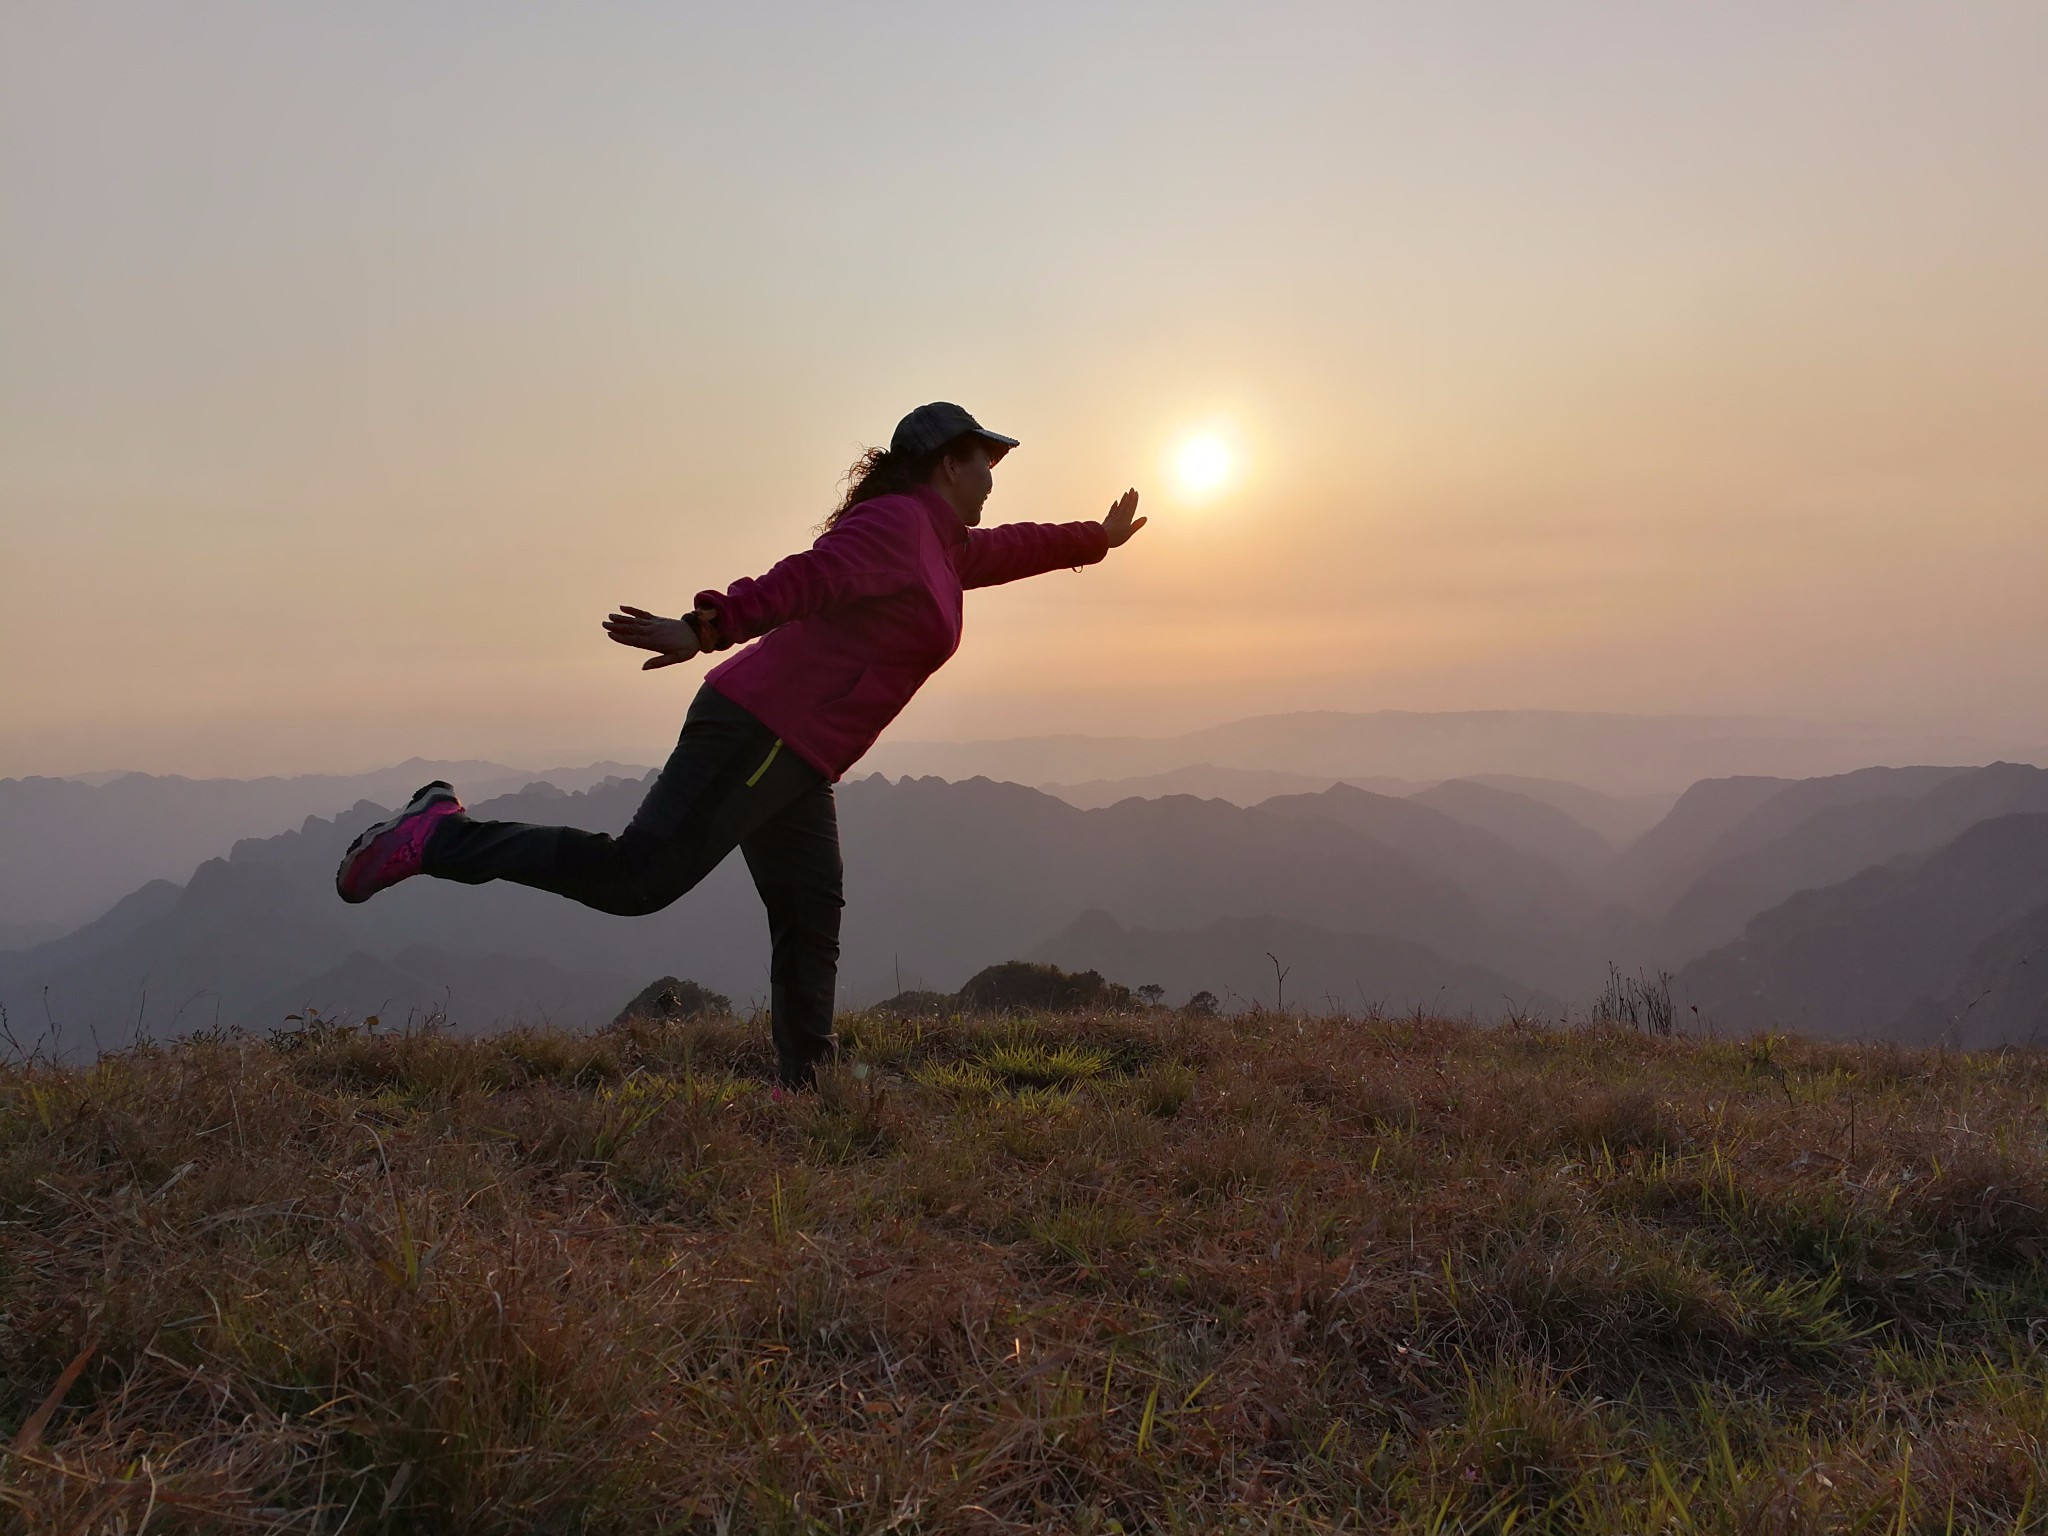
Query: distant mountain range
{"points": [[1581, 825], [1536, 827], [1718, 819], [1818, 841], [943, 879], [1240, 786], [1949, 947], [1615, 754], [1893, 900], [71, 847]]}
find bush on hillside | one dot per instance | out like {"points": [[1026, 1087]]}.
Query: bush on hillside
{"points": [[1018, 986], [917, 1003], [671, 999]]}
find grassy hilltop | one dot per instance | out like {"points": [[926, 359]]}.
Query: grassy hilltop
{"points": [[1140, 1271]]}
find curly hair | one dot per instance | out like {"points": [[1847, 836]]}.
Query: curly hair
{"points": [[879, 472]]}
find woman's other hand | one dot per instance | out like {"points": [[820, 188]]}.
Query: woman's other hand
{"points": [[672, 640], [1118, 524]]}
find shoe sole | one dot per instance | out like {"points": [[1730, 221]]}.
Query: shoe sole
{"points": [[423, 797]]}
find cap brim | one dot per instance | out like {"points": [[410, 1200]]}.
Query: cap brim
{"points": [[996, 440]]}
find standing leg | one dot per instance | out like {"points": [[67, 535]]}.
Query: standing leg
{"points": [[794, 858]]}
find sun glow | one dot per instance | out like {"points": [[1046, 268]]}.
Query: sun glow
{"points": [[1202, 463]]}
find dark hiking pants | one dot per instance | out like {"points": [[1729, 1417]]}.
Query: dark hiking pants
{"points": [[730, 783]]}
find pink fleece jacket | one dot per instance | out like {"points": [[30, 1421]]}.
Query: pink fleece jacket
{"points": [[852, 626]]}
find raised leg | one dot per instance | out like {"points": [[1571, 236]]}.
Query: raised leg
{"points": [[727, 777]]}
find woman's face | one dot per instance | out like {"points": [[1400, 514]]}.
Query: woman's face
{"points": [[965, 478]]}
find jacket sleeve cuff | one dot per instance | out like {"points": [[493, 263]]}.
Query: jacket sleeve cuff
{"points": [[1088, 543], [718, 631]]}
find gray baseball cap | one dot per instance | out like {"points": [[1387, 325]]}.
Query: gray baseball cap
{"points": [[935, 425]]}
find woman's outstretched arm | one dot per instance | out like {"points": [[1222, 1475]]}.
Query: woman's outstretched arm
{"points": [[870, 555], [1016, 550]]}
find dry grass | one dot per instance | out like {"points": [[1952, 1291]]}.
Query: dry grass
{"points": [[1094, 1274]]}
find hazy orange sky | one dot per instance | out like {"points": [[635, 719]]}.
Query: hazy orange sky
{"points": [[355, 359]]}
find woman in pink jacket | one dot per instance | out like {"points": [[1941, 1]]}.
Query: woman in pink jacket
{"points": [[842, 635]]}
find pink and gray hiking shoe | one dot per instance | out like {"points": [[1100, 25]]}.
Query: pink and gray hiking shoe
{"points": [[391, 850]]}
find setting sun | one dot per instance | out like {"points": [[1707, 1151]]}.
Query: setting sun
{"points": [[1202, 463]]}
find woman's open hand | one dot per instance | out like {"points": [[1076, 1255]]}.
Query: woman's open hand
{"points": [[1118, 525], [672, 640]]}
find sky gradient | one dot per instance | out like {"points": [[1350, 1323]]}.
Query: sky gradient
{"points": [[354, 360]]}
